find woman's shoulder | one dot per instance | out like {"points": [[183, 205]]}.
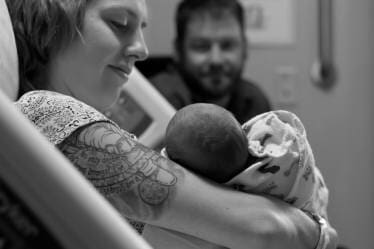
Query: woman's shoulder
{"points": [[57, 115]]}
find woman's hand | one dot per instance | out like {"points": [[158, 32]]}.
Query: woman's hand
{"points": [[333, 235]]}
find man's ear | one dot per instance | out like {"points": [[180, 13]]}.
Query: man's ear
{"points": [[247, 46]]}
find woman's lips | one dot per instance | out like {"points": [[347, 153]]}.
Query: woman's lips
{"points": [[122, 72]]}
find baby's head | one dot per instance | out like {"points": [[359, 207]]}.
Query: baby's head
{"points": [[208, 140]]}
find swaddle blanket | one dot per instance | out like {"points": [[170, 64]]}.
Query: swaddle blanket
{"points": [[287, 169]]}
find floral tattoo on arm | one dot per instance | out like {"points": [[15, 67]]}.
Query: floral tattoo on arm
{"points": [[137, 180]]}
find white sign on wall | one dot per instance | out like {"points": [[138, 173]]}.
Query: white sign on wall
{"points": [[270, 22]]}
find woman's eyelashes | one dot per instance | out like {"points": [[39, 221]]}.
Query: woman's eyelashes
{"points": [[119, 25]]}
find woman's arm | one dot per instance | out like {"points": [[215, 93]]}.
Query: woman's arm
{"points": [[146, 186]]}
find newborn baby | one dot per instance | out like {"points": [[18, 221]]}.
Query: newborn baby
{"points": [[269, 154]]}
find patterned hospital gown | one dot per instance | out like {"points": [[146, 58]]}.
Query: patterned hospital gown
{"points": [[57, 116]]}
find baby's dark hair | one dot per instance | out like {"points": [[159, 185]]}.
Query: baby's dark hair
{"points": [[208, 140]]}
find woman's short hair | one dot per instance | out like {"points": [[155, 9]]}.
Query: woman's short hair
{"points": [[42, 28]]}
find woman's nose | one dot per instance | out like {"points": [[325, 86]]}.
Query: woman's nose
{"points": [[138, 48]]}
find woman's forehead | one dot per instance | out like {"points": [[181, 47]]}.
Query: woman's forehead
{"points": [[135, 10], [135, 7]]}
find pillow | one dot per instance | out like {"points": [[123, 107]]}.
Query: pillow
{"points": [[8, 55]]}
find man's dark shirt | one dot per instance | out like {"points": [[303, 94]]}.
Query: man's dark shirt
{"points": [[247, 101]]}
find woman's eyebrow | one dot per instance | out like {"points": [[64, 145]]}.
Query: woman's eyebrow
{"points": [[122, 10]]}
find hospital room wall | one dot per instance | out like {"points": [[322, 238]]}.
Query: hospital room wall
{"points": [[339, 120]]}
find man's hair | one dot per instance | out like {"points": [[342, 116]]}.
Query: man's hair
{"points": [[42, 28], [188, 9]]}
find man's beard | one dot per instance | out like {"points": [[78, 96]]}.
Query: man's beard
{"points": [[199, 92]]}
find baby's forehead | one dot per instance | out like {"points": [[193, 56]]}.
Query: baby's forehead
{"points": [[204, 111], [207, 120], [201, 118]]}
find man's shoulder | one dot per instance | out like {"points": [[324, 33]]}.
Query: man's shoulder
{"points": [[168, 79], [171, 84], [251, 90], [248, 86], [248, 100]]}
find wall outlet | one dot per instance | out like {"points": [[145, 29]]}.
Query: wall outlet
{"points": [[285, 85]]}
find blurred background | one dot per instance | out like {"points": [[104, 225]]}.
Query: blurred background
{"points": [[338, 115]]}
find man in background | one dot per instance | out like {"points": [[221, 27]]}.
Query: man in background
{"points": [[210, 54]]}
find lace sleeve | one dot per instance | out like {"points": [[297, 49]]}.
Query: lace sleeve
{"points": [[56, 115]]}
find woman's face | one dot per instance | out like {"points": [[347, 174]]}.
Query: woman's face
{"points": [[97, 64]]}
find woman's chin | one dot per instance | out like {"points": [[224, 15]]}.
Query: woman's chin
{"points": [[103, 101]]}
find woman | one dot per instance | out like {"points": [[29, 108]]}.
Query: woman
{"points": [[81, 53]]}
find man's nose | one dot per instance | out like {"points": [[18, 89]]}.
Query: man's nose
{"points": [[216, 55]]}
